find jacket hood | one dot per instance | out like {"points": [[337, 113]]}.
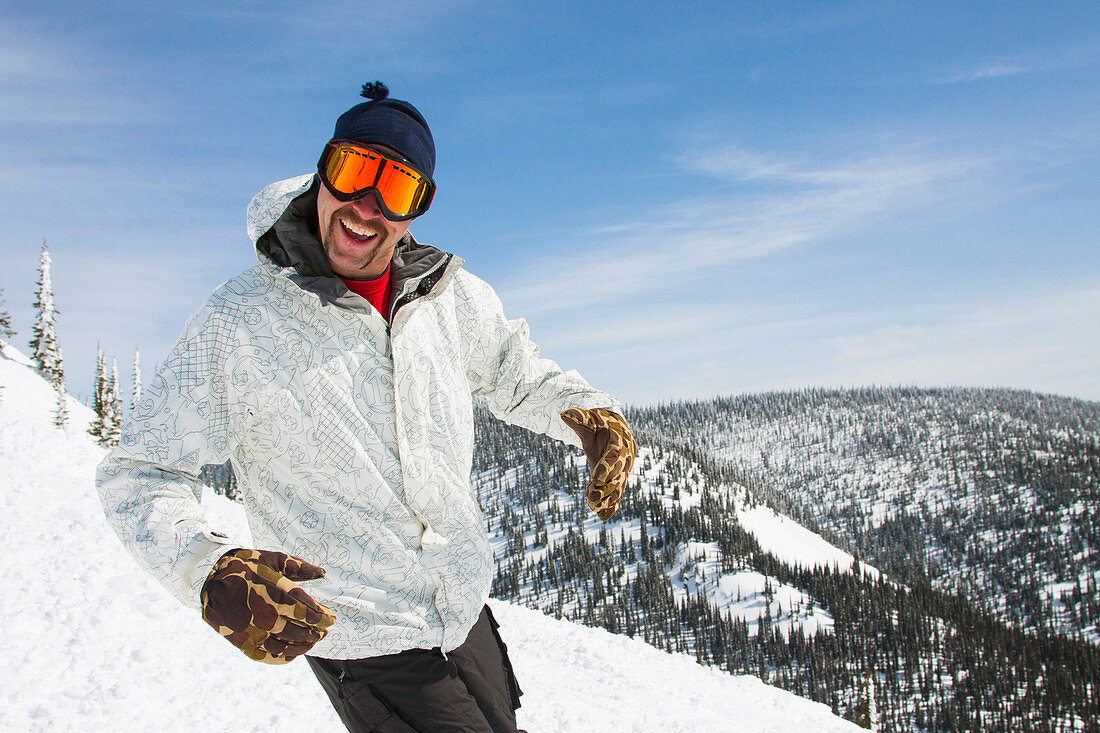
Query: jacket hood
{"points": [[282, 222]]}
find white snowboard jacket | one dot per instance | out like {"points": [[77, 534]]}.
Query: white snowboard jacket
{"points": [[352, 439]]}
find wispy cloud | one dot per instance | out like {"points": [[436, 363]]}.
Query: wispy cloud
{"points": [[699, 237], [46, 84], [112, 297], [1041, 339], [334, 15], [22, 60], [810, 20], [991, 70], [411, 39], [1016, 66]]}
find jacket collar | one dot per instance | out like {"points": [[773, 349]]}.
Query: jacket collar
{"points": [[283, 222]]}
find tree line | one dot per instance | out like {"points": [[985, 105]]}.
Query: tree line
{"points": [[45, 352]]}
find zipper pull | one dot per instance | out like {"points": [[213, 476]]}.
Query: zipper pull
{"points": [[340, 681]]}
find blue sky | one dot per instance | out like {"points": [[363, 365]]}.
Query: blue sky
{"points": [[683, 199]]}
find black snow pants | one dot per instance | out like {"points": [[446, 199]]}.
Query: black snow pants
{"points": [[472, 689]]}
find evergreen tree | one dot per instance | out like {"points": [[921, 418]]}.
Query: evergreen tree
{"points": [[106, 427], [6, 330], [44, 347], [867, 712], [99, 393], [112, 422], [135, 396], [61, 411]]}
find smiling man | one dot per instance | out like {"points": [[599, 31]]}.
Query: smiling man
{"points": [[337, 376], [357, 238]]}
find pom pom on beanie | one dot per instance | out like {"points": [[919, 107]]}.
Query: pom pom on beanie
{"points": [[375, 90]]}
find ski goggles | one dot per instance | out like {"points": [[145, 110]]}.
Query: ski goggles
{"points": [[350, 170]]}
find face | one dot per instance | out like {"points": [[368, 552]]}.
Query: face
{"points": [[357, 239]]}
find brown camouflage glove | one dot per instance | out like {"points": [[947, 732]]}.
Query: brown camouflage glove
{"points": [[251, 599], [610, 449]]}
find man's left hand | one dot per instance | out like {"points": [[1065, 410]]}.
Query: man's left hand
{"points": [[609, 447]]}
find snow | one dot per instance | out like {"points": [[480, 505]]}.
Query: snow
{"points": [[794, 544], [602, 681], [783, 537], [93, 643], [744, 594]]}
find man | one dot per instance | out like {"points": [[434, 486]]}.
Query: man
{"points": [[337, 375]]}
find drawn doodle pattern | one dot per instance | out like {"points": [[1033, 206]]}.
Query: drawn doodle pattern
{"points": [[352, 441]]}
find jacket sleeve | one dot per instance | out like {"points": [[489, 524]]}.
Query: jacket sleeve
{"points": [[149, 483], [504, 366]]}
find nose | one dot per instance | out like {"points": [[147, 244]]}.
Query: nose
{"points": [[367, 206]]}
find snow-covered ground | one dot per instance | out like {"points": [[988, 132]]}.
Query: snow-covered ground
{"points": [[95, 644], [746, 594], [792, 543], [783, 537]]}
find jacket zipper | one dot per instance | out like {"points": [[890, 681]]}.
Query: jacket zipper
{"points": [[411, 296], [401, 301]]}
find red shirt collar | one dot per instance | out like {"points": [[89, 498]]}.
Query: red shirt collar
{"points": [[376, 291]]}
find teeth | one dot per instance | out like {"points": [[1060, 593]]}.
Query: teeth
{"points": [[357, 230]]}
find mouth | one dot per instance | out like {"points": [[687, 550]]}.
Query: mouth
{"points": [[358, 232]]}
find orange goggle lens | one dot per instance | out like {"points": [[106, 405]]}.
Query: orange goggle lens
{"points": [[350, 170]]}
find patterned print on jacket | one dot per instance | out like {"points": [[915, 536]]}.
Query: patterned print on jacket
{"points": [[352, 440]]}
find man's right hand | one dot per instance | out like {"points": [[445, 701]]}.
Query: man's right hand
{"points": [[251, 599]]}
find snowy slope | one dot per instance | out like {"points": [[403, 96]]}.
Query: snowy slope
{"points": [[743, 594], [792, 543], [783, 537], [94, 644]]}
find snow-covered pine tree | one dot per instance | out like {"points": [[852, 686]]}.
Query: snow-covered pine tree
{"points": [[6, 330], [872, 706], [867, 711], [135, 396], [44, 347], [106, 427], [61, 411], [99, 391], [112, 413]]}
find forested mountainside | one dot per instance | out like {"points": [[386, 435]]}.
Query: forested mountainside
{"points": [[695, 561], [993, 494], [980, 506]]}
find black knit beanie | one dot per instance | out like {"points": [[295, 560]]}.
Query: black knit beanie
{"points": [[391, 122]]}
